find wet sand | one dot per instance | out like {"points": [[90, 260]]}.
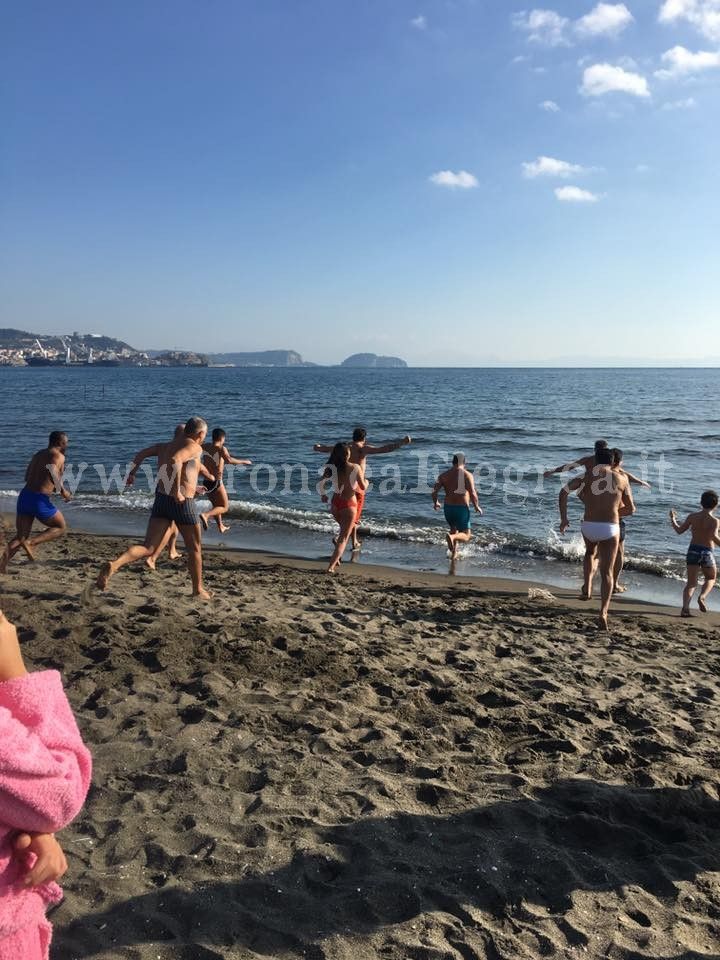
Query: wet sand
{"points": [[377, 765]]}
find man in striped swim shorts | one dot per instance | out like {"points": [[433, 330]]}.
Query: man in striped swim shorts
{"points": [[178, 469]]}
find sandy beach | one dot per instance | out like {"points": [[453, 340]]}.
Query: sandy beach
{"points": [[377, 765]]}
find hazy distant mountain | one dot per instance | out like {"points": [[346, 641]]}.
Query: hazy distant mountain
{"points": [[261, 358], [372, 360]]}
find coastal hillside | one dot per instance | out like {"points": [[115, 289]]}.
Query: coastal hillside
{"points": [[261, 358]]}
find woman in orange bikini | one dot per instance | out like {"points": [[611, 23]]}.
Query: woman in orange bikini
{"points": [[347, 481]]}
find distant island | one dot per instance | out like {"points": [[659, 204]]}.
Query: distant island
{"points": [[372, 360], [20, 348]]}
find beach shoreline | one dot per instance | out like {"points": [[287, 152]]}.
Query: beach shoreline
{"points": [[376, 764]]}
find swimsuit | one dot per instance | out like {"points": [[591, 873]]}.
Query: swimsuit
{"points": [[457, 516], [338, 503], [184, 514], [210, 485], [38, 505], [699, 556], [596, 531]]}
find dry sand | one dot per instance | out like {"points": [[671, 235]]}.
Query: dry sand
{"points": [[377, 765]]}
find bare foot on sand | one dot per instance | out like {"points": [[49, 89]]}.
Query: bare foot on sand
{"points": [[28, 550], [106, 571], [584, 595], [150, 562], [602, 623], [686, 614], [203, 594], [702, 605], [619, 588], [174, 555]]}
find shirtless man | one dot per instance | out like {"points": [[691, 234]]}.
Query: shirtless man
{"points": [[704, 529], [178, 469], [590, 559], [170, 538], [359, 450], [460, 492], [44, 476], [607, 497], [215, 457]]}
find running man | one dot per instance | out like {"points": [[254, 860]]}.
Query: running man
{"points": [[460, 492], [215, 457], [705, 536], [607, 497], [43, 477], [170, 538], [178, 470], [590, 559], [359, 450]]}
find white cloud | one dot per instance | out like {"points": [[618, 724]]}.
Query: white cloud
{"points": [[461, 180], [606, 19], [704, 15], [575, 195], [688, 104], [682, 62], [549, 106], [543, 26], [420, 23], [604, 78], [550, 167]]}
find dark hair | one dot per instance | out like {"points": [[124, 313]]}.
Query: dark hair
{"points": [[359, 433], [617, 456], [709, 500], [604, 456], [337, 461], [218, 433], [56, 438], [600, 445]]}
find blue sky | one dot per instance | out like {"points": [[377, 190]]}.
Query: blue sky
{"points": [[453, 181]]}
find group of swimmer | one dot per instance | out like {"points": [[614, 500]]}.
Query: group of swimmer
{"points": [[189, 465]]}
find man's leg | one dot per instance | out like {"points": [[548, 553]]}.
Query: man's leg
{"points": [[619, 563], [156, 530], [589, 561], [607, 551], [693, 572], [165, 542], [220, 505], [450, 540], [23, 526], [56, 527], [193, 546]]}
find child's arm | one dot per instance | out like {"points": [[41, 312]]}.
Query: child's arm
{"points": [[44, 765], [679, 527]]}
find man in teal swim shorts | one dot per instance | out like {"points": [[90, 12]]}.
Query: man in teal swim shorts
{"points": [[44, 476], [460, 492]]}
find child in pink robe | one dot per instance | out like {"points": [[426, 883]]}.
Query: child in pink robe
{"points": [[44, 777]]}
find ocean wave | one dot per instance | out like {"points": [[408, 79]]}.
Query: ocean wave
{"points": [[486, 541]]}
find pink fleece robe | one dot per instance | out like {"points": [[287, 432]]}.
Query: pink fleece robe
{"points": [[44, 778]]}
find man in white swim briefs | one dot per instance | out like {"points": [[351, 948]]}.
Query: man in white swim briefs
{"points": [[606, 497]]}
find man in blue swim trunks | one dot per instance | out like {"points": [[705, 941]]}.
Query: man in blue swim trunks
{"points": [[460, 492], [43, 477]]}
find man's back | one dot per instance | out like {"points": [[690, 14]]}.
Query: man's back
{"points": [[38, 477], [603, 493], [455, 484]]}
